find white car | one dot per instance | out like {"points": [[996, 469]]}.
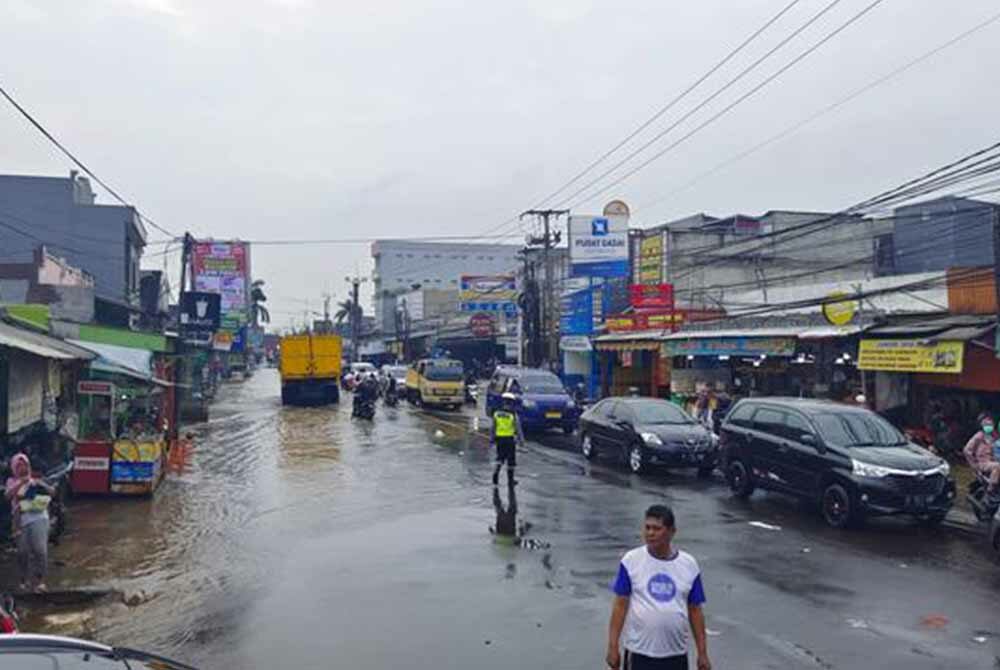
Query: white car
{"points": [[27, 651]]}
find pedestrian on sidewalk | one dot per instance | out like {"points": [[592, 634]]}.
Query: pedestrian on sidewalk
{"points": [[29, 500], [658, 596], [980, 455], [506, 435]]}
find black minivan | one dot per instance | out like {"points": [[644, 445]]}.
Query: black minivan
{"points": [[848, 459]]}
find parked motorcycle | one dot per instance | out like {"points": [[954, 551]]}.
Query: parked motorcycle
{"points": [[363, 408]]}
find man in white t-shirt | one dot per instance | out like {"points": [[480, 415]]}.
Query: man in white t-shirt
{"points": [[658, 596]]}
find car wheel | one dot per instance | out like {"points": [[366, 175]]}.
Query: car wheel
{"points": [[636, 459], [706, 472], [739, 478], [837, 507], [587, 447]]}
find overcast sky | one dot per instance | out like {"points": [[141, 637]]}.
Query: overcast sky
{"points": [[285, 119]]}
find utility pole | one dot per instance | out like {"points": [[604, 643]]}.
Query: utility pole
{"points": [[995, 216], [179, 366], [547, 241], [355, 316]]}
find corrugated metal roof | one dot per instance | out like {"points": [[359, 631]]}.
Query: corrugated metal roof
{"points": [[40, 345]]}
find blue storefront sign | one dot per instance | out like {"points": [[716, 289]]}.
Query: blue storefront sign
{"points": [[598, 246], [731, 346], [577, 313]]}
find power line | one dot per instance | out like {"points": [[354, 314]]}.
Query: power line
{"points": [[31, 119], [725, 110], [826, 110], [670, 105]]}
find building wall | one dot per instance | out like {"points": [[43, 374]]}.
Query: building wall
{"points": [[435, 266], [940, 234], [105, 241]]}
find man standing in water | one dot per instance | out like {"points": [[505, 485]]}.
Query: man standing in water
{"points": [[658, 594]]}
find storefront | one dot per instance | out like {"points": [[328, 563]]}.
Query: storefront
{"points": [[631, 363], [933, 378]]}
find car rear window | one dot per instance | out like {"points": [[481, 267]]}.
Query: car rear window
{"points": [[742, 416]]}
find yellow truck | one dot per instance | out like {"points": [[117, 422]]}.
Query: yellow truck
{"points": [[436, 382], [310, 369]]}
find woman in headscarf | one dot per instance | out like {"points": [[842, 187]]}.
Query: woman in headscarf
{"points": [[29, 499]]}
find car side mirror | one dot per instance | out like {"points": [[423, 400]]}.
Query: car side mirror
{"points": [[810, 439]]}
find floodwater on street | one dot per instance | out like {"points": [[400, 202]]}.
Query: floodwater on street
{"points": [[298, 537]]}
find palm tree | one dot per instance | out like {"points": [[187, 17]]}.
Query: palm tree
{"points": [[258, 313], [348, 310]]}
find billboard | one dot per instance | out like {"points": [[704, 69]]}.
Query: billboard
{"points": [[224, 268], [651, 296], [651, 259], [488, 293], [577, 313], [911, 355], [598, 246]]}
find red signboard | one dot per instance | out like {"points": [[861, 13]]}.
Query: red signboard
{"points": [[95, 388], [651, 296], [481, 325]]}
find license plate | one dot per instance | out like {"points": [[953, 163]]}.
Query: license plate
{"points": [[553, 415]]}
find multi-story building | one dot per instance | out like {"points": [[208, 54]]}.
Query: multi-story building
{"points": [[402, 266], [106, 241], [707, 258]]}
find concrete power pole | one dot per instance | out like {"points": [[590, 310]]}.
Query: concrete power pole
{"points": [[548, 240], [355, 316]]}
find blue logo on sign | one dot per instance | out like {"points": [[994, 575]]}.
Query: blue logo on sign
{"points": [[661, 588], [599, 227]]}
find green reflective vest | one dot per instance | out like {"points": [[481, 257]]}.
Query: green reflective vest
{"points": [[503, 424]]}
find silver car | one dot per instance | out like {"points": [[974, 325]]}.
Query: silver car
{"points": [[27, 652]]}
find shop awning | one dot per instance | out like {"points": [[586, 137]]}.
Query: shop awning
{"points": [[40, 345], [113, 359], [638, 341]]}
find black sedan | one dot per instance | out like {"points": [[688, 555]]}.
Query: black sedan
{"points": [[643, 432]]}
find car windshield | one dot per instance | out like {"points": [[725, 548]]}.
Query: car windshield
{"points": [[444, 373], [653, 413], [857, 429], [541, 384]]}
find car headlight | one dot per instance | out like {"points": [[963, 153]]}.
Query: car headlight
{"points": [[570, 404], [862, 469], [652, 438], [528, 404], [944, 468]]}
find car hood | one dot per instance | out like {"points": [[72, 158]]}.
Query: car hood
{"points": [[678, 434], [903, 457]]}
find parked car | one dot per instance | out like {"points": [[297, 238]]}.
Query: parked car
{"points": [[644, 432], [849, 460], [48, 651], [542, 401]]}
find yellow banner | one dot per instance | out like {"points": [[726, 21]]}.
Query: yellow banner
{"points": [[651, 259], [911, 356]]}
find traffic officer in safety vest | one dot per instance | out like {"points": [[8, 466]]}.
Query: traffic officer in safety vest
{"points": [[506, 435]]}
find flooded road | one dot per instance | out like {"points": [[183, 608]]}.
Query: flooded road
{"points": [[297, 537]]}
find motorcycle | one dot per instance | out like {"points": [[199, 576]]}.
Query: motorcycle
{"points": [[363, 408], [391, 398], [471, 393], [984, 505], [8, 615]]}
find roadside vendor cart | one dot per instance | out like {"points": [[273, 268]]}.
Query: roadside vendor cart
{"points": [[122, 447]]}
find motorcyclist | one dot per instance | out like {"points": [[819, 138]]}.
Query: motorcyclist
{"points": [[506, 435], [980, 454], [391, 390], [368, 388]]}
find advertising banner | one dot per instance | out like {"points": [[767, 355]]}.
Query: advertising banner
{"points": [[624, 323], [911, 356], [224, 268], [731, 346], [598, 246], [651, 259], [651, 296], [200, 311], [577, 313], [488, 293]]}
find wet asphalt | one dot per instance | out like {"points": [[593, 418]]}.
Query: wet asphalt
{"points": [[299, 538]]}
